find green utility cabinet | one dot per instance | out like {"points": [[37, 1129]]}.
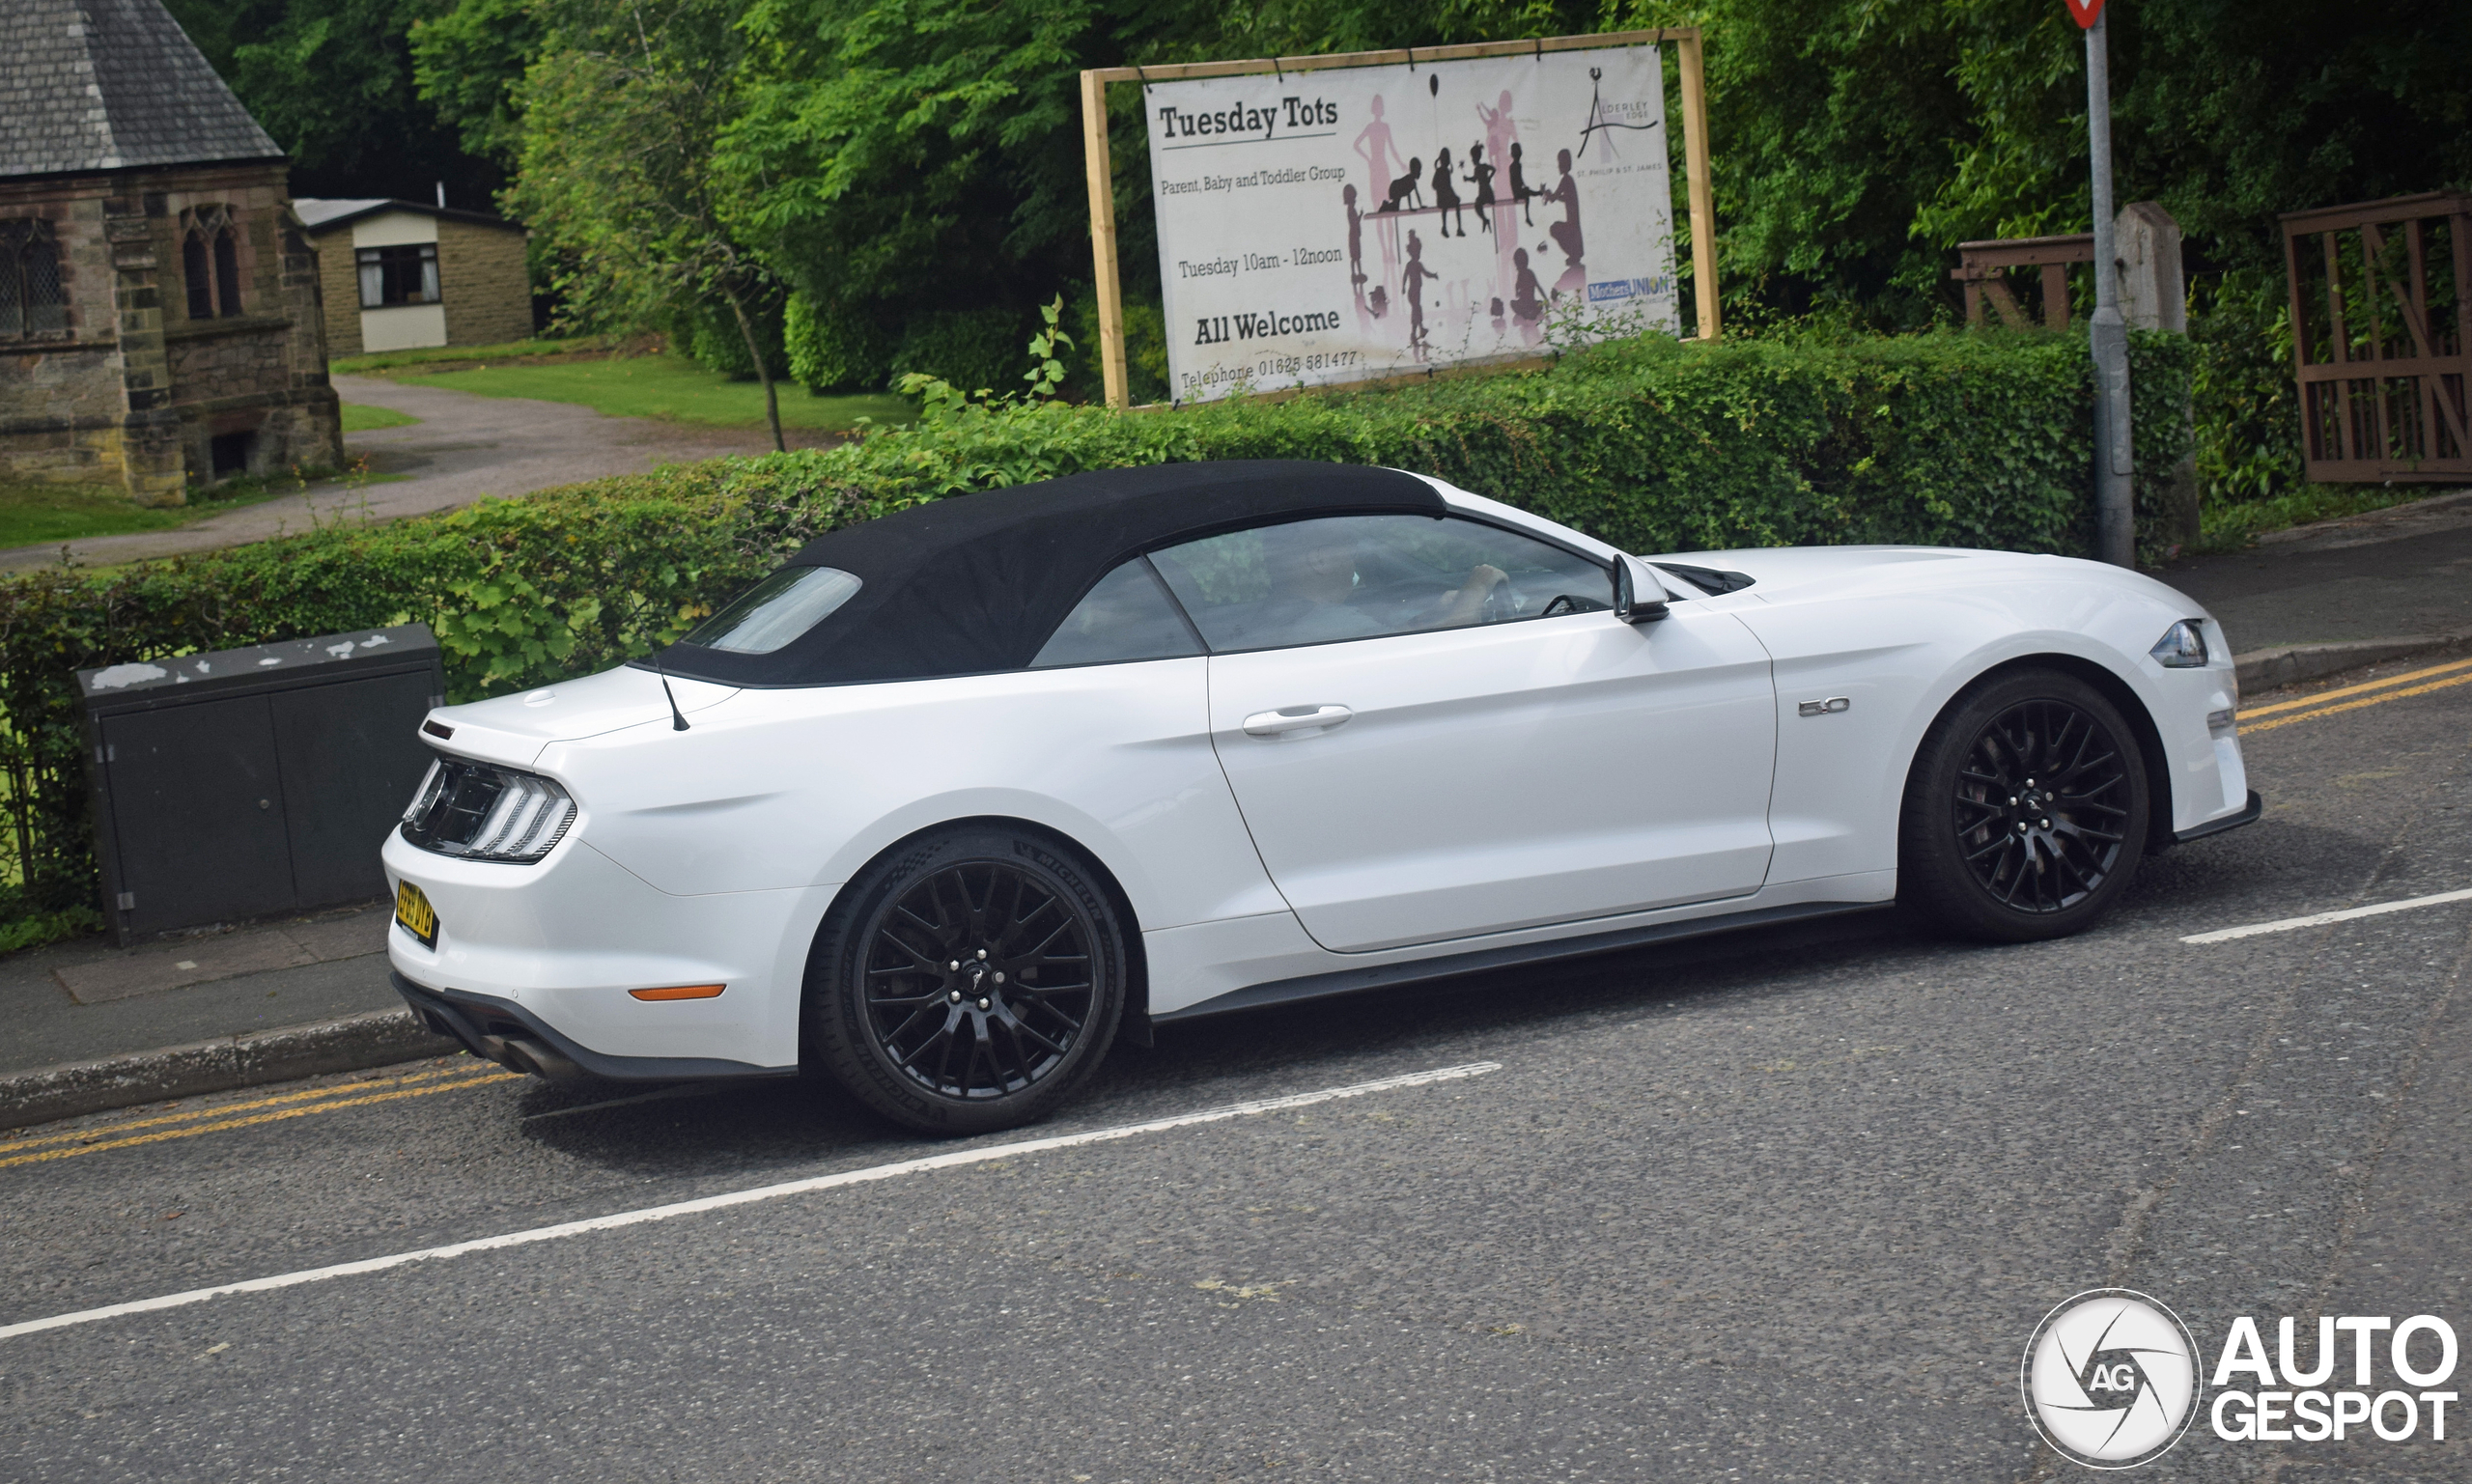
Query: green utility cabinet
{"points": [[254, 781]]}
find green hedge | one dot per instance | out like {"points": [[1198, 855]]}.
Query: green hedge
{"points": [[1975, 439]]}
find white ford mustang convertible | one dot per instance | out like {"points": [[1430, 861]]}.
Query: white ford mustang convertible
{"points": [[957, 796]]}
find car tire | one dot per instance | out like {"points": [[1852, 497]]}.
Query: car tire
{"points": [[969, 980], [2026, 810]]}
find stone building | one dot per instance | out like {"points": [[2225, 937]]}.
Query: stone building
{"points": [[399, 275], [159, 323]]}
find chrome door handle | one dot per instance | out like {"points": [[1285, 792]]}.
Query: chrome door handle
{"points": [[1295, 718]]}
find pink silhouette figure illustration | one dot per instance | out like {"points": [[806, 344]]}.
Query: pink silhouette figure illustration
{"points": [[1381, 156], [1501, 139]]}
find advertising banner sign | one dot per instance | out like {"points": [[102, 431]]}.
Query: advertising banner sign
{"points": [[1358, 222]]}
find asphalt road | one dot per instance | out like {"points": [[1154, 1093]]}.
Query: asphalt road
{"points": [[1769, 1208]]}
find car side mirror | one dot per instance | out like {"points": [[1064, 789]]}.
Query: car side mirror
{"points": [[1639, 598]]}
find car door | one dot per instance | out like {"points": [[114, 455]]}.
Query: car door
{"points": [[1439, 729]]}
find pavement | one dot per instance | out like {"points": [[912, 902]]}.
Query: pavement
{"points": [[463, 448], [2317, 598], [1780, 1207], [96, 1027], [92, 1026]]}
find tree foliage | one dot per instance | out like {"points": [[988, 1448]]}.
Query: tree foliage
{"points": [[332, 80], [618, 168], [895, 155]]}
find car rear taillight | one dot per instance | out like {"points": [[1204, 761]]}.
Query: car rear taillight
{"points": [[484, 813]]}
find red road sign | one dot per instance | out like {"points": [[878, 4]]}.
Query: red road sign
{"points": [[2085, 12]]}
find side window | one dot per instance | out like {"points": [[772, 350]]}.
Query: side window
{"points": [[407, 274], [1363, 576], [1127, 616]]}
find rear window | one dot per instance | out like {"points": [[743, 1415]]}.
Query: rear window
{"points": [[776, 610]]}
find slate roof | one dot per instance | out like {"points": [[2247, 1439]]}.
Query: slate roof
{"points": [[316, 211], [325, 214], [112, 85]]}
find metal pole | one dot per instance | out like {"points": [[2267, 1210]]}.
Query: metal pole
{"points": [[2115, 521]]}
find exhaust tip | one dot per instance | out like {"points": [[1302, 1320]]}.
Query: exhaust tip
{"points": [[538, 1060]]}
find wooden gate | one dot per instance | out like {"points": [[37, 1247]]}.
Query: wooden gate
{"points": [[2381, 360], [1983, 269]]}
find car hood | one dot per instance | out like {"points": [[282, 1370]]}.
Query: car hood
{"points": [[1786, 567], [1801, 573], [514, 728]]}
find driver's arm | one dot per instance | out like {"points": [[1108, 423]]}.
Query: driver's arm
{"points": [[1467, 604]]}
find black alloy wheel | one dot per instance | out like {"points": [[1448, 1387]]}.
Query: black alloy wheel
{"points": [[2026, 813], [2039, 804], [968, 982], [979, 980]]}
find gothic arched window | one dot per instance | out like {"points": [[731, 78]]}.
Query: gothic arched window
{"points": [[195, 273], [227, 272], [32, 301], [210, 262]]}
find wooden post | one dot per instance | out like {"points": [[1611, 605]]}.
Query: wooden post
{"points": [[1103, 238], [2311, 425], [2347, 434], [2055, 296], [1695, 166], [2459, 238]]}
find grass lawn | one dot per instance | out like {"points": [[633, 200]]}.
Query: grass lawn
{"points": [[665, 386], [431, 355], [40, 514], [361, 419], [31, 513]]}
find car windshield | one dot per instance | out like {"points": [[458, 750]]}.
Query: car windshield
{"points": [[776, 610]]}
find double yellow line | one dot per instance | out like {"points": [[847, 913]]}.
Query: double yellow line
{"points": [[2327, 703], [242, 1116]]}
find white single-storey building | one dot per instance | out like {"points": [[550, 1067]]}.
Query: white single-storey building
{"points": [[398, 275]]}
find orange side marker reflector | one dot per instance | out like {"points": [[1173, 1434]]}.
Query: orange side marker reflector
{"points": [[680, 992]]}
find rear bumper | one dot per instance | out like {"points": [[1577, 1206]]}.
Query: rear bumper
{"points": [[504, 1033], [2247, 816]]}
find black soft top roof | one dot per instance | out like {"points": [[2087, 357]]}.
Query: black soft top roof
{"points": [[975, 583]]}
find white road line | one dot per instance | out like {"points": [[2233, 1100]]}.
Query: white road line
{"points": [[874, 1172], [2319, 919]]}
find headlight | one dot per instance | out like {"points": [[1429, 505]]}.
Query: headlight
{"points": [[484, 813], [2181, 648]]}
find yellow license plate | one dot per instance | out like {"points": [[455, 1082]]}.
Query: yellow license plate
{"points": [[414, 915]]}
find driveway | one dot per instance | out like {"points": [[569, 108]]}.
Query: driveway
{"points": [[464, 447]]}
